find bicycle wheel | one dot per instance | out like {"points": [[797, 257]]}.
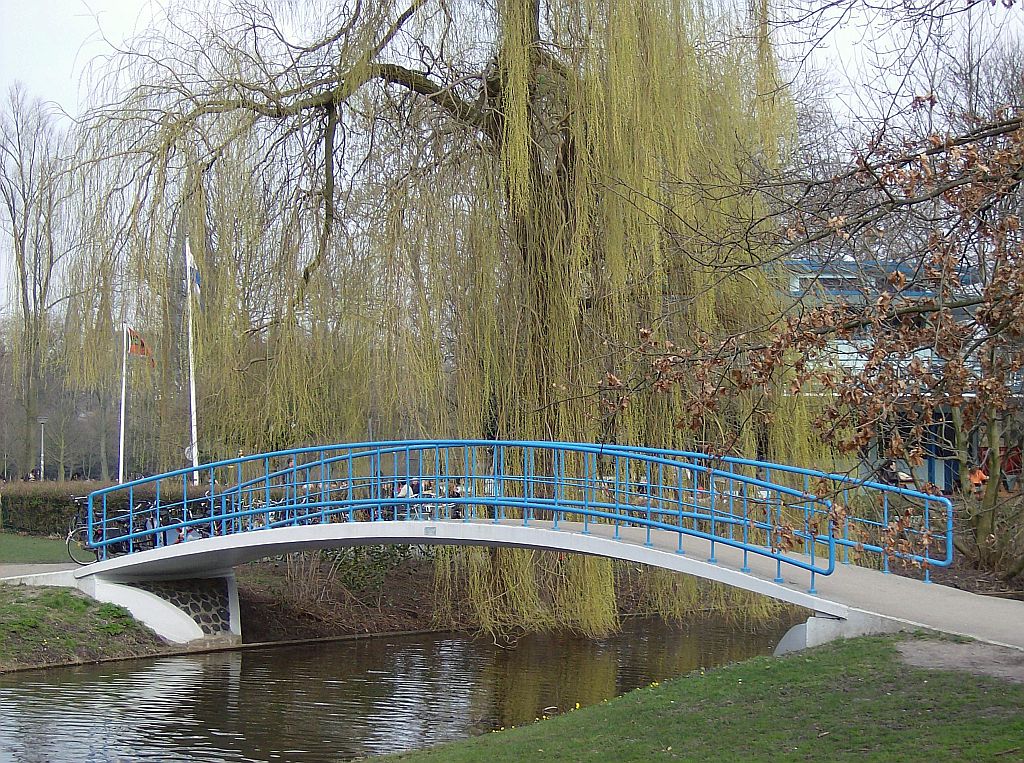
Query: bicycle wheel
{"points": [[78, 549]]}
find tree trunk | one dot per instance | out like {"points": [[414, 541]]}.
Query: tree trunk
{"points": [[986, 524], [104, 468], [29, 451], [962, 451]]}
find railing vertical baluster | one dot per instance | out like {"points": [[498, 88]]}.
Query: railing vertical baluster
{"points": [[592, 477], [470, 484], [224, 513], [807, 507], [587, 485], [885, 528], [559, 470], [928, 548], [535, 478], [212, 500], [696, 490], [184, 498], [661, 492], [375, 483], [647, 480], [679, 506], [447, 485], [131, 518], [711, 504], [289, 492], [527, 480], [346, 494], [156, 513], [732, 500], [266, 477], [103, 537], [746, 528], [846, 526], [615, 496], [949, 528], [498, 489], [812, 590], [408, 479], [88, 518]]}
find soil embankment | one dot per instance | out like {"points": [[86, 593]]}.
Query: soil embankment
{"points": [[42, 626], [279, 604]]}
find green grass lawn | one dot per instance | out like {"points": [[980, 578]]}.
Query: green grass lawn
{"points": [[31, 549], [852, 700], [55, 626]]}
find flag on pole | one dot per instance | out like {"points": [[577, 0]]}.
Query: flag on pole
{"points": [[192, 277], [137, 345]]}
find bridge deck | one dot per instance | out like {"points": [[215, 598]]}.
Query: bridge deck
{"points": [[850, 589]]}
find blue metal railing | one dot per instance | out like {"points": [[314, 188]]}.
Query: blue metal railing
{"points": [[793, 516]]}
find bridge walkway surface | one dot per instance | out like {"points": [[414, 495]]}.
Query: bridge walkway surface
{"points": [[856, 590]]}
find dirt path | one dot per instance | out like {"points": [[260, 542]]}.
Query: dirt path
{"points": [[972, 657]]}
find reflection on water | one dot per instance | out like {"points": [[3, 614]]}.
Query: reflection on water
{"points": [[340, 700]]}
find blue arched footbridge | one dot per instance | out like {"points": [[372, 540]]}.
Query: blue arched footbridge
{"points": [[823, 541]]}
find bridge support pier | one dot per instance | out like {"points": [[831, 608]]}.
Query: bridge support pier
{"points": [[195, 611], [821, 629]]}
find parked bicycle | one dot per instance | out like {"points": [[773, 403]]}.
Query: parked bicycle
{"points": [[80, 549], [84, 549]]}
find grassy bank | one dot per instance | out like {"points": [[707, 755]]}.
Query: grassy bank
{"points": [[849, 700], [50, 626], [18, 548]]}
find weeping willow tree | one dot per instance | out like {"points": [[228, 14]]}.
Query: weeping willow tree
{"points": [[449, 218]]}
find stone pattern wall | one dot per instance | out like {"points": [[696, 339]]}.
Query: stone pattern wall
{"points": [[205, 600]]}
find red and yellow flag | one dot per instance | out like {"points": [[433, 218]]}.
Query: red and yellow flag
{"points": [[137, 345]]}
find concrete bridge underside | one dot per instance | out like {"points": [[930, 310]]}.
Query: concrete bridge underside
{"points": [[852, 601]]}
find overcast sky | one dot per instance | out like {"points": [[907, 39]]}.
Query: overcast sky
{"points": [[48, 43]]}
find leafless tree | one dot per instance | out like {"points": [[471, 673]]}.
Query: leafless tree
{"points": [[33, 205]]}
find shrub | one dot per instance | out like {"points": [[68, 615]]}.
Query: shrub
{"points": [[47, 508]]}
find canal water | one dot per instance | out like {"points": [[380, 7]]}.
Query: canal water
{"points": [[340, 700]]}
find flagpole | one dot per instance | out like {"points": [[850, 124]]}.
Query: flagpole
{"points": [[124, 390], [194, 444]]}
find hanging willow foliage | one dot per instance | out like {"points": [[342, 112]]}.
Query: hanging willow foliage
{"points": [[449, 219]]}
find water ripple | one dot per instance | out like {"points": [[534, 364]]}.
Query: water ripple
{"points": [[331, 701]]}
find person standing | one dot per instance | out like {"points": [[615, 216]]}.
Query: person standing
{"points": [[978, 478]]}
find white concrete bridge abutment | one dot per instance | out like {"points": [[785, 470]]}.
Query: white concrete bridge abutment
{"points": [[183, 611], [197, 611]]}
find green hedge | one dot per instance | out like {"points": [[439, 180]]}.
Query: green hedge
{"points": [[46, 508]]}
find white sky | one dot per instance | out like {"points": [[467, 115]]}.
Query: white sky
{"points": [[47, 44]]}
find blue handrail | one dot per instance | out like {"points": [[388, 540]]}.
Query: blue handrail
{"points": [[687, 493]]}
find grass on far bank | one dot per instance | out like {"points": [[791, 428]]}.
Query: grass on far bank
{"points": [[48, 626], [844, 701], [16, 548]]}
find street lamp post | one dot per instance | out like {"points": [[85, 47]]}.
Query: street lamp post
{"points": [[42, 446]]}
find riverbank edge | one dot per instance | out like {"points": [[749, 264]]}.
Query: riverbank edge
{"points": [[272, 616], [175, 651], [166, 649], [864, 698], [236, 647]]}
